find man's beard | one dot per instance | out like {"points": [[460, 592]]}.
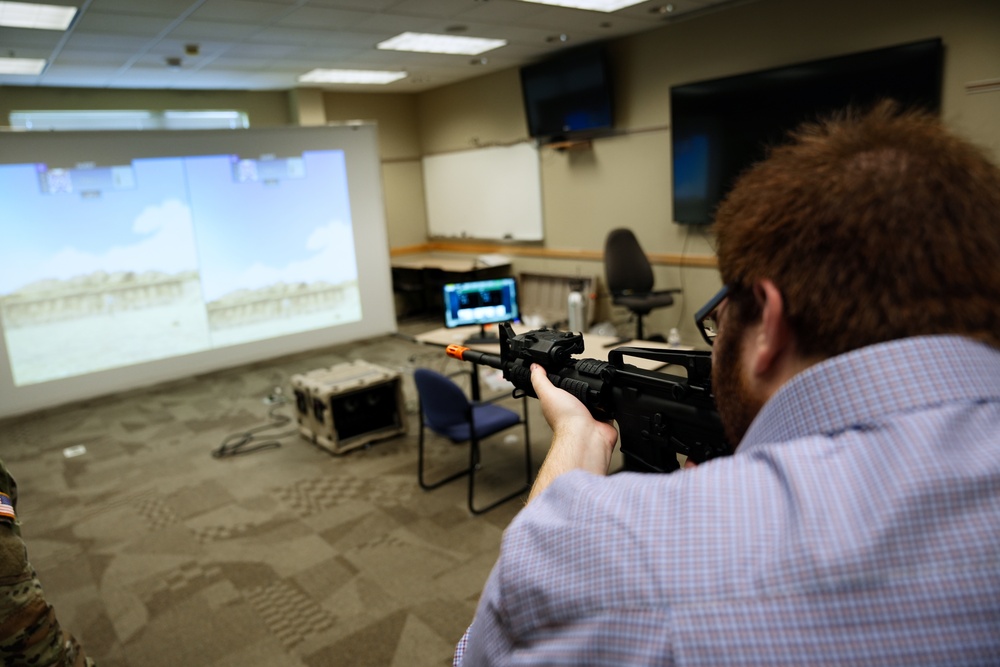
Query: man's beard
{"points": [[737, 404]]}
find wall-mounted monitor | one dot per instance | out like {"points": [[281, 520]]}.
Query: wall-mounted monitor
{"points": [[480, 302], [569, 95], [722, 126], [136, 257]]}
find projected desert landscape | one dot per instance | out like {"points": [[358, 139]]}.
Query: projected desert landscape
{"points": [[119, 265], [280, 309]]}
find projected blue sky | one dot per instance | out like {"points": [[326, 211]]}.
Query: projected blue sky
{"points": [[256, 233], [249, 234]]}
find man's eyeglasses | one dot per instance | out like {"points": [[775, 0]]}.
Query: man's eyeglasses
{"points": [[705, 318]]}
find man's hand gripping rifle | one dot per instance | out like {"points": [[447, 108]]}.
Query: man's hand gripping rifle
{"points": [[659, 415]]}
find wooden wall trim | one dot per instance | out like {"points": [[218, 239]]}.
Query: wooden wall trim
{"points": [[666, 259]]}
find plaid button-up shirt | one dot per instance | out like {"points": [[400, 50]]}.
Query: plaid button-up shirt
{"points": [[858, 523]]}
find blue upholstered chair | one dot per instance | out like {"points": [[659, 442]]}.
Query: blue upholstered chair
{"points": [[445, 410]]}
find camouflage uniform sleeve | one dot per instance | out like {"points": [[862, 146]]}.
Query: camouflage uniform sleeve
{"points": [[29, 631]]}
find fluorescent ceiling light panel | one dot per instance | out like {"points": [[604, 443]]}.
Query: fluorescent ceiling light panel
{"points": [[28, 66], [592, 5], [41, 17], [452, 44], [350, 76]]}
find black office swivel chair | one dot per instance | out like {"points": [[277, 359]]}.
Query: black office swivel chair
{"points": [[630, 277]]}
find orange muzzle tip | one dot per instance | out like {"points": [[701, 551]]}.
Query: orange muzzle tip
{"points": [[455, 350]]}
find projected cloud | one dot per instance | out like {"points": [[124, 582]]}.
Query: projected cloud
{"points": [[330, 259], [167, 246]]}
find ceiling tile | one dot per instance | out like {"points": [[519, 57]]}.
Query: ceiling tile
{"points": [[104, 57], [322, 17], [123, 43], [171, 8], [107, 23], [363, 5], [244, 11], [15, 39], [193, 29], [98, 42]]}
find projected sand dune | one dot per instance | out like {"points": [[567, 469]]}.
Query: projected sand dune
{"points": [[62, 328], [95, 294], [278, 302], [247, 315]]}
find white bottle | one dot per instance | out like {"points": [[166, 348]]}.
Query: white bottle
{"points": [[577, 310], [674, 337]]}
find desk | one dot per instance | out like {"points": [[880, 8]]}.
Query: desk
{"points": [[425, 275]]}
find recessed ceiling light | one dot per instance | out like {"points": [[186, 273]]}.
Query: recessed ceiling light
{"points": [[41, 17], [452, 44], [592, 5], [28, 66], [350, 76]]}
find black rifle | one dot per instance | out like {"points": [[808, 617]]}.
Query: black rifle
{"points": [[659, 415]]}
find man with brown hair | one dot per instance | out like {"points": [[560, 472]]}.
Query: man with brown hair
{"points": [[856, 365]]}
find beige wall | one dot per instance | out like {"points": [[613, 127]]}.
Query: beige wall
{"points": [[399, 147], [625, 180]]}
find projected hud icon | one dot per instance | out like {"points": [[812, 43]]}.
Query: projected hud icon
{"points": [[108, 266]]}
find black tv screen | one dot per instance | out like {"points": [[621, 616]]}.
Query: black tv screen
{"points": [[722, 126], [568, 96]]}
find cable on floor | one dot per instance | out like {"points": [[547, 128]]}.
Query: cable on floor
{"points": [[254, 439]]}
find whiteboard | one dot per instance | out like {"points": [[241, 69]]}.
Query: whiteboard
{"points": [[486, 193]]}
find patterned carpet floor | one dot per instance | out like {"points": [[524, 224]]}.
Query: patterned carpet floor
{"points": [[156, 553]]}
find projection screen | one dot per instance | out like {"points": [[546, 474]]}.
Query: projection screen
{"points": [[132, 258]]}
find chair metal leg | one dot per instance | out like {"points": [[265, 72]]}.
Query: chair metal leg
{"points": [[495, 503], [474, 460], [427, 486], [527, 445]]}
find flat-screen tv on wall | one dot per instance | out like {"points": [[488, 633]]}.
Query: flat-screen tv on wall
{"points": [[722, 126], [569, 95]]}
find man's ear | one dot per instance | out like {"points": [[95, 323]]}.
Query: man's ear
{"points": [[773, 334]]}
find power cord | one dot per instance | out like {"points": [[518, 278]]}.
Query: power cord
{"points": [[248, 441]]}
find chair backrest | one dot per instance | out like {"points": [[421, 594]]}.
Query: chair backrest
{"points": [[626, 267], [443, 402]]}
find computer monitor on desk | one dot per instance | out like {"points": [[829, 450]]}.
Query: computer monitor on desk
{"points": [[480, 302]]}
